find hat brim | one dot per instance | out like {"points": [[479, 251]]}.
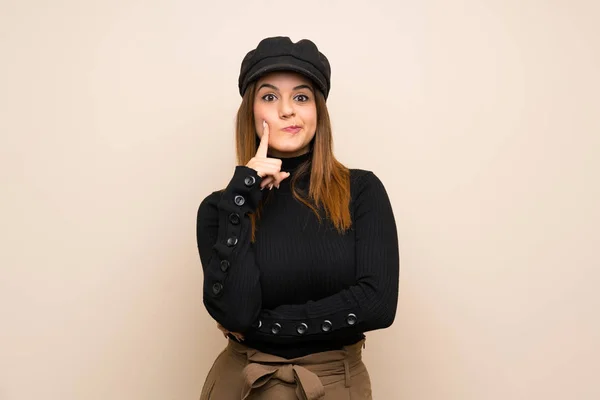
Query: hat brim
{"points": [[285, 63]]}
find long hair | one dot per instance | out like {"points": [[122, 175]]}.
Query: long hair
{"points": [[329, 189]]}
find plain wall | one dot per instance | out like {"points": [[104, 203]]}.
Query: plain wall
{"points": [[481, 117]]}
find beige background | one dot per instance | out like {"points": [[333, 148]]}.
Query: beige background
{"points": [[481, 117]]}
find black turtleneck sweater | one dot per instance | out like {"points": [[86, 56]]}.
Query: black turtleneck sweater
{"points": [[301, 287]]}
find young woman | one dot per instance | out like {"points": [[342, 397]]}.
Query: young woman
{"points": [[300, 253]]}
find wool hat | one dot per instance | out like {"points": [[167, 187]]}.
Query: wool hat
{"points": [[279, 53]]}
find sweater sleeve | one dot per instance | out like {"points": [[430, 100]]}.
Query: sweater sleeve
{"points": [[371, 302], [231, 290]]}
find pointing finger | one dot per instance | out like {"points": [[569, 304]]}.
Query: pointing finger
{"points": [[264, 142]]}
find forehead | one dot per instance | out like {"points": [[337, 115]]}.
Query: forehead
{"points": [[284, 79]]}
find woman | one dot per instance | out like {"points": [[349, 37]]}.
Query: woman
{"points": [[300, 253]]}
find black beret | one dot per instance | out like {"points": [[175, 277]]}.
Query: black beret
{"points": [[281, 54]]}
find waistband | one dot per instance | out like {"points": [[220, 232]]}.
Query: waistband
{"points": [[309, 373]]}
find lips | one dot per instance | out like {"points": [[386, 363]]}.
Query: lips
{"points": [[292, 129]]}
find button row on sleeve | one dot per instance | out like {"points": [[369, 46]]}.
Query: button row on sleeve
{"points": [[302, 328], [234, 219], [249, 181]]}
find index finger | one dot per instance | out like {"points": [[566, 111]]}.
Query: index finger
{"points": [[264, 142]]}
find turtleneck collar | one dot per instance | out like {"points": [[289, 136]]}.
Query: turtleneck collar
{"points": [[290, 164]]}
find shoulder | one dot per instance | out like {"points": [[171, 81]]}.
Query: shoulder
{"points": [[208, 205], [362, 178], [366, 188]]}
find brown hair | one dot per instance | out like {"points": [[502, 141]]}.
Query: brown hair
{"points": [[329, 188]]}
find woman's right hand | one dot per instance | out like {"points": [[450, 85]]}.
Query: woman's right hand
{"points": [[267, 168]]}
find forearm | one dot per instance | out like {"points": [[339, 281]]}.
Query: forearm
{"points": [[360, 308], [232, 294]]}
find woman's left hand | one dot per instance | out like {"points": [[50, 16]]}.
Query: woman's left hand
{"points": [[238, 336]]}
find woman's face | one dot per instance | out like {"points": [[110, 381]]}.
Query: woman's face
{"points": [[287, 102]]}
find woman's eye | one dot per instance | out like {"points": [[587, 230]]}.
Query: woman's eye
{"points": [[302, 98], [268, 97]]}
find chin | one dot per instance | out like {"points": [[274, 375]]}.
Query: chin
{"points": [[288, 147], [288, 150]]}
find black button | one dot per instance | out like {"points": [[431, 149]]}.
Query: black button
{"points": [[234, 218], [217, 287], [326, 326], [275, 328], [232, 241], [351, 319], [249, 181], [239, 200], [225, 265], [302, 328]]}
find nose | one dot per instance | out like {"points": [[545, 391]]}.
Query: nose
{"points": [[286, 109]]}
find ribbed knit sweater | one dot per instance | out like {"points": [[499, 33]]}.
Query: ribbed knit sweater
{"points": [[301, 287]]}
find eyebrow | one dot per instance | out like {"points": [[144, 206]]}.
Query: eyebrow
{"points": [[276, 88]]}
